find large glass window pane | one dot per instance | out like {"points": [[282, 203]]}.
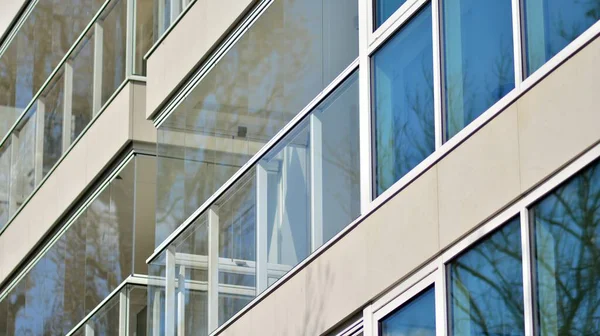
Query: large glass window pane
{"points": [[144, 34], [113, 49], [566, 257], [486, 286], [383, 9], [292, 51], [415, 318], [23, 163], [5, 165], [53, 106], [550, 25], [478, 64], [82, 62], [37, 48], [403, 101]]}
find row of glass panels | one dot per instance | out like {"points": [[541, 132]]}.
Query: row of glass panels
{"points": [[485, 282], [118, 318], [75, 94], [108, 241], [300, 194]]}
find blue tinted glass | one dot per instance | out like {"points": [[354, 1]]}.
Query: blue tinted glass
{"points": [[486, 286], [478, 58], [567, 257], [552, 24], [384, 9], [416, 318], [403, 101]]}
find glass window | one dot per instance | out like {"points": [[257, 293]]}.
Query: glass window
{"points": [[403, 101], [287, 57], [383, 9], [478, 62], [566, 227], [550, 25], [415, 318], [486, 286]]}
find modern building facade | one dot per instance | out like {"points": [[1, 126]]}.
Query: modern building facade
{"points": [[300, 167]]}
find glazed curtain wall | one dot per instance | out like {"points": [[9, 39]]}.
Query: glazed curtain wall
{"points": [[95, 253], [293, 50], [296, 197], [91, 74], [36, 49]]}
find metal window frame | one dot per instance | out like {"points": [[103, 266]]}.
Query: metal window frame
{"points": [[435, 271]]}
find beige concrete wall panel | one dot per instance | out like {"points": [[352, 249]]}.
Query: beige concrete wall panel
{"points": [[403, 233], [8, 10], [141, 128], [14, 247], [109, 133], [479, 177], [187, 44], [559, 117]]}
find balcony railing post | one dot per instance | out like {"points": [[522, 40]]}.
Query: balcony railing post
{"points": [[213, 269], [175, 10], [156, 314], [261, 228], [124, 312], [170, 292], [89, 330], [40, 116], [316, 181], [67, 107], [98, 60], [181, 301], [13, 176]]}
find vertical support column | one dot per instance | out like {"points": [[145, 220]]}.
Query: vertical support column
{"points": [[527, 274], [438, 110], [170, 292], [13, 188], [181, 301], [441, 304], [89, 330], [67, 107], [130, 38], [261, 228], [213, 269], [365, 126], [175, 10], [156, 318], [124, 311], [316, 181], [98, 61], [40, 116], [517, 42], [161, 17]]}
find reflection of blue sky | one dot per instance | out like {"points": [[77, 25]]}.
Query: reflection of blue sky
{"points": [[403, 100], [414, 318], [567, 227]]}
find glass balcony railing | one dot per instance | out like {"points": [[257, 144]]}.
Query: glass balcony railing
{"points": [[293, 199], [102, 244], [107, 54], [122, 313]]}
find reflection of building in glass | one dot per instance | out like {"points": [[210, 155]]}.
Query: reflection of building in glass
{"points": [[299, 167]]}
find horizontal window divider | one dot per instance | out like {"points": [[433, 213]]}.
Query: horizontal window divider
{"points": [[168, 30], [64, 155], [134, 279], [394, 23], [69, 221], [299, 117], [213, 58], [54, 72]]}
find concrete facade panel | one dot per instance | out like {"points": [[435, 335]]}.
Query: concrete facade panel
{"points": [[479, 177], [554, 128], [9, 9]]}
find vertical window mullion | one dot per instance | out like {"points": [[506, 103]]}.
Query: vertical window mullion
{"points": [[437, 74], [517, 42], [365, 115], [527, 279], [441, 297]]}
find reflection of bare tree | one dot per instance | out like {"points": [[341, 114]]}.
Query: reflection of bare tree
{"points": [[567, 224]]}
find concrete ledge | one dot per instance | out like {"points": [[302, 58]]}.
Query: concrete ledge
{"points": [[121, 122], [188, 43], [552, 124]]}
